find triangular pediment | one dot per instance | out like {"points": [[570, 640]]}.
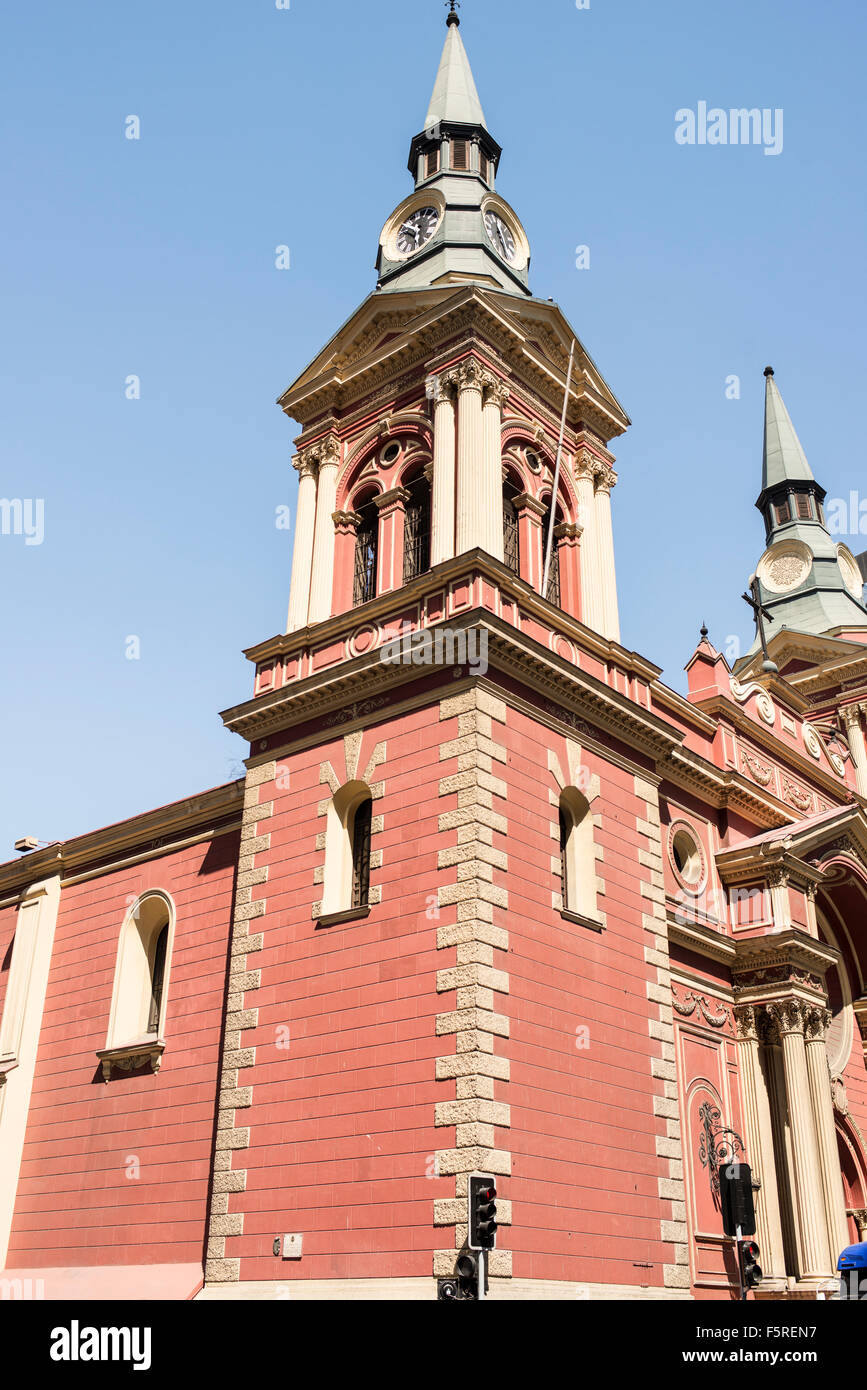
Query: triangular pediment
{"points": [[389, 331], [799, 654]]}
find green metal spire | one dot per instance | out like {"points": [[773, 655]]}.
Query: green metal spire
{"points": [[784, 457], [805, 581], [455, 228], [455, 97]]}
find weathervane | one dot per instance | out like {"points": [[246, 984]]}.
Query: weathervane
{"points": [[760, 613], [454, 6]]}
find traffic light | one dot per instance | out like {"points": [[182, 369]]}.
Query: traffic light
{"points": [[748, 1259], [482, 1199], [464, 1287], [736, 1194]]}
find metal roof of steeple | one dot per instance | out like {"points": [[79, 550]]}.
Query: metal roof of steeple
{"points": [[784, 457], [455, 97]]}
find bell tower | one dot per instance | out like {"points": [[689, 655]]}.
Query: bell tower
{"points": [[431, 421], [430, 759]]}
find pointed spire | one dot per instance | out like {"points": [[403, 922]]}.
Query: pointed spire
{"points": [[784, 457], [455, 97]]}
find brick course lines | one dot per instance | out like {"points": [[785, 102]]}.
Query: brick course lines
{"points": [[75, 1183]]}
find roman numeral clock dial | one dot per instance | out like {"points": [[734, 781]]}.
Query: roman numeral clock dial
{"points": [[501, 237], [417, 230]]}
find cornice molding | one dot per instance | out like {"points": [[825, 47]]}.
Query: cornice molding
{"points": [[157, 832]]}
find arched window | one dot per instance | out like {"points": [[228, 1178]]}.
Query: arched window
{"points": [[416, 534], [347, 850], [577, 855], [138, 1007], [511, 547], [360, 836], [158, 977], [366, 548], [553, 593]]}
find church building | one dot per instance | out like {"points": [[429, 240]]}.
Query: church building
{"points": [[491, 897]]}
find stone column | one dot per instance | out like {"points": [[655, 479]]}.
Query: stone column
{"points": [[494, 398], [857, 747], [530, 538], [302, 552], [441, 390], [392, 522], [322, 578], [760, 1145], [605, 481], [592, 593], [471, 501], [568, 537], [816, 1028], [346, 526], [861, 1222], [790, 1016]]}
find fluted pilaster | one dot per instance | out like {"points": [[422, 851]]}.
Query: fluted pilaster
{"points": [[605, 480], [442, 393], [302, 552], [852, 717], [816, 1029], [322, 578], [494, 397], [471, 499], [759, 1137], [790, 1017], [592, 592]]}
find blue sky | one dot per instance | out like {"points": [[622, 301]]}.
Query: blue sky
{"points": [[263, 126]]}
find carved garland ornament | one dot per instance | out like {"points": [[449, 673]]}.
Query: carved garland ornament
{"points": [[687, 1005]]}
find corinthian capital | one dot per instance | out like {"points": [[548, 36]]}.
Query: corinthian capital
{"points": [[605, 477], [586, 464], [329, 451], [852, 715], [746, 1023], [817, 1021], [305, 464], [441, 387], [469, 375], [789, 1015], [496, 392]]}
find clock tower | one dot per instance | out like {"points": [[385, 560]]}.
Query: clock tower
{"points": [[441, 756], [454, 228]]}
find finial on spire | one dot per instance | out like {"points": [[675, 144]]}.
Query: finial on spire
{"points": [[453, 16], [704, 632], [769, 371]]}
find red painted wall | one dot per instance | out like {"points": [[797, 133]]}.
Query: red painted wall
{"points": [[584, 1166], [342, 1131], [76, 1205]]}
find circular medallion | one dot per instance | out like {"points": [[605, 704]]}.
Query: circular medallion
{"points": [[785, 567], [850, 572]]}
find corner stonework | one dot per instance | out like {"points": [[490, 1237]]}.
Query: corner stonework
{"points": [[474, 1067], [243, 982], [666, 1103]]}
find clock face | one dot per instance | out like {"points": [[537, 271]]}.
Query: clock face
{"points": [[501, 236], [418, 229]]}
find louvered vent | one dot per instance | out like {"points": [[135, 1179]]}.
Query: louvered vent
{"points": [[460, 154], [433, 162]]}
